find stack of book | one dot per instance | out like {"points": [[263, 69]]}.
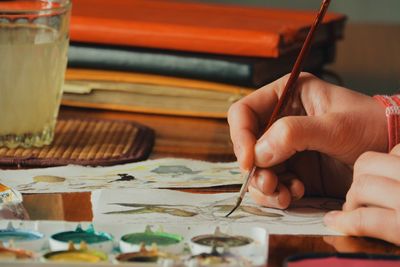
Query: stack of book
{"points": [[184, 58]]}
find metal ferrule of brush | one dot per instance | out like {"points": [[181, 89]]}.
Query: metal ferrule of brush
{"points": [[243, 190]]}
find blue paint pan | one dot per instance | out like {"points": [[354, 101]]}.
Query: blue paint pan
{"points": [[22, 238]]}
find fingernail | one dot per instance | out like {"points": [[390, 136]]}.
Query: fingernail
{"points": [[263, 148], [330, 217]]}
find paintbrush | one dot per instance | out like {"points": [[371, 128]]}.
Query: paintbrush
{"points": [[287, 93]]}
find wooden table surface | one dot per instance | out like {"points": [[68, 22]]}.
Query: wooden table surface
{"points": [[196, 138]]}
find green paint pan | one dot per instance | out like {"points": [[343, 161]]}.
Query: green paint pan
{"points": [[167, 242]]}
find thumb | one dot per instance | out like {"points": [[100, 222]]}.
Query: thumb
{"points": [[292, 134]]}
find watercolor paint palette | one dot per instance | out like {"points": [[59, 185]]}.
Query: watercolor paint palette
{"points": [[59, 243]]}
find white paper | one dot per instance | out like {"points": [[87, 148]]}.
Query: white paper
{"points": [[164, 207], [161, 173]]}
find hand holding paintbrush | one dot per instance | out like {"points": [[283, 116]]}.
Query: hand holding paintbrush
{"points": [[288, 91]]}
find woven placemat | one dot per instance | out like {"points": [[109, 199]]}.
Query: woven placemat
{"points": [[86, 142]]}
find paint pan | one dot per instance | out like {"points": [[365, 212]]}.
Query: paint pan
{"points": [[73, 255], [24, 239], [94, 239], [10, 253], [167, 242], [220, 242], [219, 239], [214, 258], [244, 241], [144, 255]]}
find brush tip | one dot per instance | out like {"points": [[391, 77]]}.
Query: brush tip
{"points": [[227, 215]]}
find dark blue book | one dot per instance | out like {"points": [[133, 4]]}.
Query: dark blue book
{"points": [[243, 71]]}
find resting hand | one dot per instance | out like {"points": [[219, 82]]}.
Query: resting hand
{"points": [[313, 147], [372, 205]]}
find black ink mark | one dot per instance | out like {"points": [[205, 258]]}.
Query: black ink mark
{"points": [[124, 177]]}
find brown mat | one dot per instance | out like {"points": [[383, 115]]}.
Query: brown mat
{"points": [[86, 142]]}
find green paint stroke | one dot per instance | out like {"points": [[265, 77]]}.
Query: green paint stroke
{"points": [[248, 209], [179, 212], [156, 209]]}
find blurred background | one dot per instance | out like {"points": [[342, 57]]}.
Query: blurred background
{"points": [[368, 58]]}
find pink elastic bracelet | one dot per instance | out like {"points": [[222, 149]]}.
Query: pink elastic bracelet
{"points": [[392, 104]]}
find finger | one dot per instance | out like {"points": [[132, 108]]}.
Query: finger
{"points": [[243, 128], [263, 100], [247, 118], [292, 134], [366, 222], [265, 180], [294, 184], [375, 163], [349, 244], [280, 199], [373, 190], [344, 243]]}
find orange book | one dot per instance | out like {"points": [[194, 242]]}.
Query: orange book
{"points": [[198, 27], [149, 93]]}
